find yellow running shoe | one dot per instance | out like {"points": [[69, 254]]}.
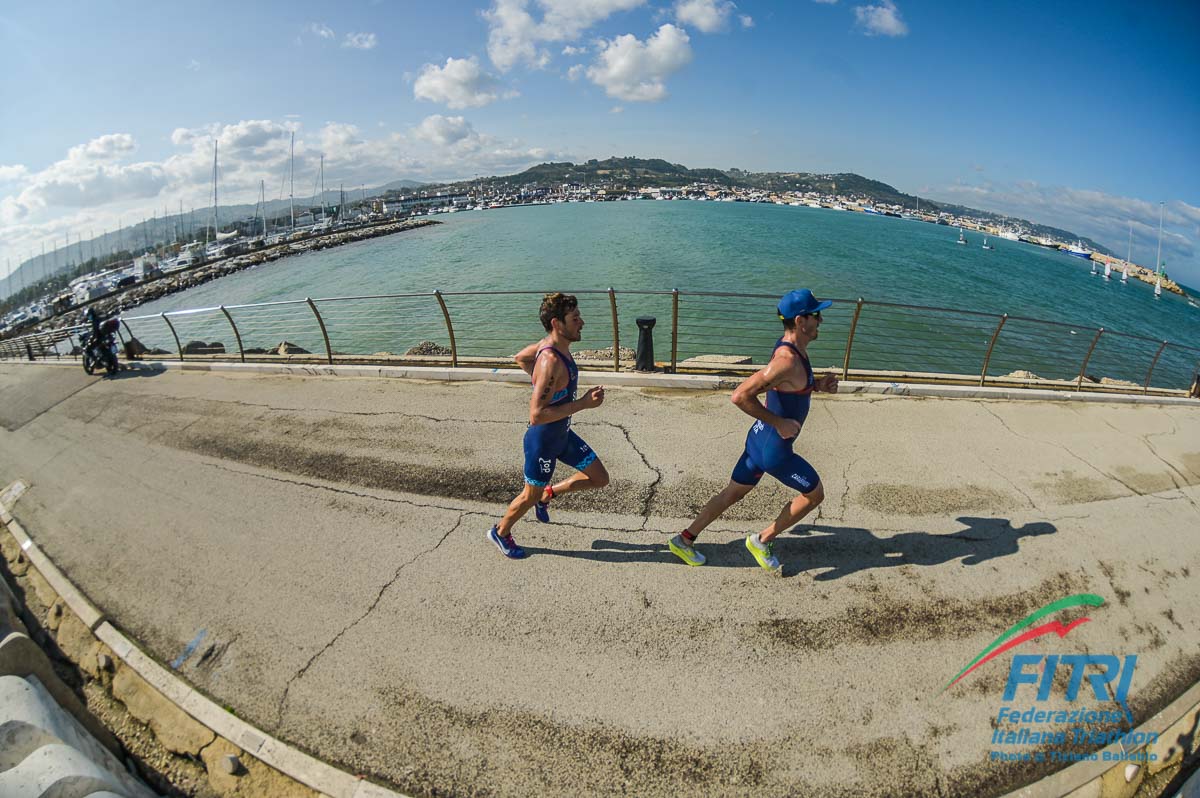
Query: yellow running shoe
{"points": [[764, 554], [685, 552]]}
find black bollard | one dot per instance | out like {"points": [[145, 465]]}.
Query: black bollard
{"points": [[645, 347], [29, 350]]}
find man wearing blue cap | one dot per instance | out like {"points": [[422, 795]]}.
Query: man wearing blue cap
{"points": [[789, 383]]}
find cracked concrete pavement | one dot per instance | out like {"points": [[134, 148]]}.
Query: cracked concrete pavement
{"points": [[328, 536]]}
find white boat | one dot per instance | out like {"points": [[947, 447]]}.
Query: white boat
{"points": [[1094, 268], [1128, 256], [1107, 271], [1078, 250], [985, 243], [1158, 255], [961, 239]]}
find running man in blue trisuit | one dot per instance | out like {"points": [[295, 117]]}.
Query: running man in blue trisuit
{"points": [[789, 383], [550, 438]]}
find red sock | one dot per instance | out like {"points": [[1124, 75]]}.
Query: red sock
{"points": [[548, 494], [688, 537]]}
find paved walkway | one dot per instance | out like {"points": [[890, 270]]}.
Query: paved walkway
{"points": [[323, 539]]}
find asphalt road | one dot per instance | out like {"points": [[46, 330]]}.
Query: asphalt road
{"points": [[324, 539]]}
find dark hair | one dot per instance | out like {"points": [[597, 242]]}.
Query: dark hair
{"points": [[556, 306], [789, 324]]}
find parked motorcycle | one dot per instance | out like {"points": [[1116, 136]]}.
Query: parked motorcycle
{"points": [[100, 347]]}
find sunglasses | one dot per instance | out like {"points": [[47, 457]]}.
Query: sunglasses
{"points": [[816, 315]]}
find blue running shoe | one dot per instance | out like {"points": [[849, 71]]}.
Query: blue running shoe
{"points": [[542, 511], [508, 547]]}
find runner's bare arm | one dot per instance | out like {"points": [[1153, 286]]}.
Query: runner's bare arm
{"points": [[549, 376], [827, 383], [526, 357], [745, 396]]}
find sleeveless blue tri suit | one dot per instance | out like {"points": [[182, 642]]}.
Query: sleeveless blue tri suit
{"points": [[768, 453], [545, 444]]}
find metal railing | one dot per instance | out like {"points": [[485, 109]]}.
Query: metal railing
{"points": [[708, 332]]}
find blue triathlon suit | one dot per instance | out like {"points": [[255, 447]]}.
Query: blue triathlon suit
{"points": [[766, 452], [546, 444]]}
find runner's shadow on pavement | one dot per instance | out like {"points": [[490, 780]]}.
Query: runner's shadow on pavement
{"points": [[615, 551], [841, 551], [833, 551], [717, 553], [134, 370]]}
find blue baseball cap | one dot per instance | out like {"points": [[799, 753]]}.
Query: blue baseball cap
{"points": [[800, 303]]}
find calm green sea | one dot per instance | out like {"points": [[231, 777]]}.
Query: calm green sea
{"points": [[718, 247]]}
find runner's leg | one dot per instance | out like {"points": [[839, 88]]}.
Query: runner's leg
{"points": [[793, 512], [591, 474], [538, 471], [518, 507], [733, 493]]}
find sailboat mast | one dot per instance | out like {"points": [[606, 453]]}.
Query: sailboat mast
{"points": [[216, 218], [322, 187], [262, 192], [1158, 257], [292, 184]]}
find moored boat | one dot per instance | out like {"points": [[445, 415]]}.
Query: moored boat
{"points": [[1078, 250]]}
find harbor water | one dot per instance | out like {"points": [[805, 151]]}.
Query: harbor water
{"points": [[748, 248]]}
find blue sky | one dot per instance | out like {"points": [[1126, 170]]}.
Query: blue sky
{"points": [[1082, 115]]}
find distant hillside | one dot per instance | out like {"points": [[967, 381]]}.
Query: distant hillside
{"points": [[634, 173], [397, 185]]}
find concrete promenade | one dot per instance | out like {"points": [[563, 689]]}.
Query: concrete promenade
{"points": [[323, 538]]}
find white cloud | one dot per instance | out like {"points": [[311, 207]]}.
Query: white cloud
{"points": [[194, 65], [89, 176], [746, 20], [11, 174], [706, 16], [104, 148], [635, 71], [826, 2], [95, 184], [444, 130], [576, 72], [338, 136], [319, 29], [461, 83], [617, 109], [571, 51], [360, 41], [515, 35], [881, 20]]}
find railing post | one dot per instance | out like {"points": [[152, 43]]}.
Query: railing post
{"points": [[1153, 363], [132, 337], [449, 329], [175, 335], [236, 334], [1083, 368], [991, 345], [612, 301], [850, 338], [674, 330], [324, 334]]}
